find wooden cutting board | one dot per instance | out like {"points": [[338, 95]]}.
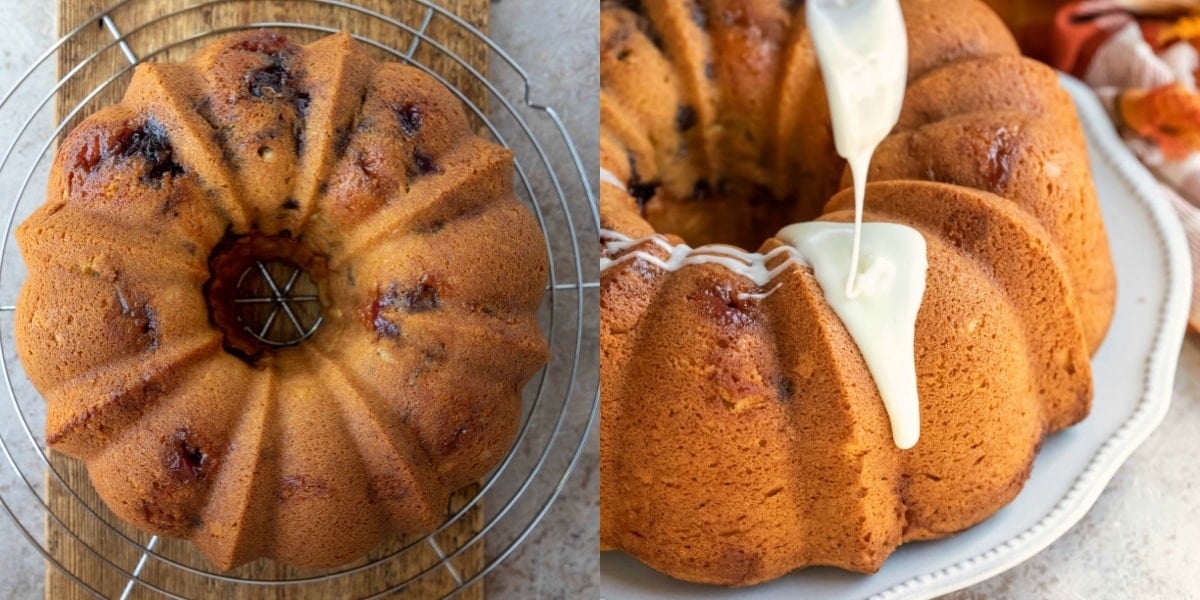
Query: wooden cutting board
{"points": [[63, 545]]}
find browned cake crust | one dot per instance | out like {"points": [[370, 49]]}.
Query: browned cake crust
{"points": [[1002, 124], [429, 268], [742, 436]]}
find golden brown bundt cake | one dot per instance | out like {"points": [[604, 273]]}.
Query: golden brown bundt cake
{"points": [[365, 175], [1013, 133], [742, 434]]}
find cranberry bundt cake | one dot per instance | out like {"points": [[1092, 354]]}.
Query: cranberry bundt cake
{"points": [[742, 434], [367, 176]]}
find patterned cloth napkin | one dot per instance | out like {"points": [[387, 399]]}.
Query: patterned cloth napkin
{"points": [[1141, 58]]}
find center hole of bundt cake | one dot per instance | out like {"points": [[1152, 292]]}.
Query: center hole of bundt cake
{"points": [[264, 293], [736, 213]]}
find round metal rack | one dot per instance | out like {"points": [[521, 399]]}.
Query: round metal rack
{"points": [[561, 402], [280, 297]]}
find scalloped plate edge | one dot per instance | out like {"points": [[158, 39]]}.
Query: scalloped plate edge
{"points": [[1104, 143]]}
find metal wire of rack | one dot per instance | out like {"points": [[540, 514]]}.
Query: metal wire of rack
{"points": [[560, 408]]}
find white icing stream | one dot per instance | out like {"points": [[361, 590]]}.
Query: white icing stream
{"points": [[872, 275], [751, 265], [881, 316], [862, 49], [881, 319]]}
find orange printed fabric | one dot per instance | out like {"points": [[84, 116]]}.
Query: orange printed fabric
{"points": [[1168, 116], [1142, 58]]}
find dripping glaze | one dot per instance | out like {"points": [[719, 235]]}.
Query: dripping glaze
{"points": [[872, 275], [862, 49], [881, 319]]}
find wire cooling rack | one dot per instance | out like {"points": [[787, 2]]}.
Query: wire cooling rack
{"points": [[561, 402]]}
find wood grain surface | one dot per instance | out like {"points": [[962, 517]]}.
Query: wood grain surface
{"points": [[80, 531]]}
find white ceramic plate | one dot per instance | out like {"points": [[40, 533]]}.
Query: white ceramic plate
{"points": [[1133, 371]]}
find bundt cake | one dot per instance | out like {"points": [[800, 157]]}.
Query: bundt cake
{"points": [[367, 176], [742, 434]]}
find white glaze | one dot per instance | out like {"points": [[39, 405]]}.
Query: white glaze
{"points": [[751, 265], [881, 316], [872, 275], [862, 49], [607, 176], [759, 296], [881, 319]]}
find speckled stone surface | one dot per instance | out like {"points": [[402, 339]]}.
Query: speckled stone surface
{"points": [[557, 45], [1142, 538], [28, 30]]}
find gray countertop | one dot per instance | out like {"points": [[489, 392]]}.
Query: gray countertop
{"points": [[1141, 538]]}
